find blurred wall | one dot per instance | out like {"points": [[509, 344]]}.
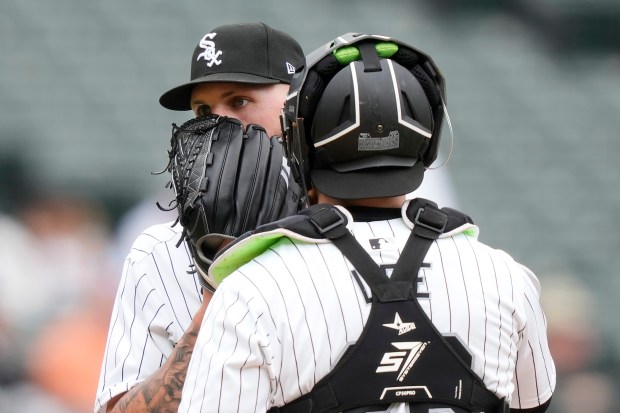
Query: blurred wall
{"points": [[533, 96]]}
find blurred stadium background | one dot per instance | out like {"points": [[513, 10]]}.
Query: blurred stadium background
{"points": [[534, 100]]}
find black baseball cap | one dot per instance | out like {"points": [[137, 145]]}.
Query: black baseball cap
{"points": [[252, 53]]}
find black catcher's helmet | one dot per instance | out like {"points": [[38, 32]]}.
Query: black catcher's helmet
{"points": [[363, 117]]}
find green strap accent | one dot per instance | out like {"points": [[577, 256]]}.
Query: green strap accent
{"points": [[471, 232], [242, 253], [348, 54]]}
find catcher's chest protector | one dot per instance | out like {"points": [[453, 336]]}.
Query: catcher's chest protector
{"points": [[400, 356]]}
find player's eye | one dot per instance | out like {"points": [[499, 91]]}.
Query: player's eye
{"points": [[203, 110], [239, 102]]}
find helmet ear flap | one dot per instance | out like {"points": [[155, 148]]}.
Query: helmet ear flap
{"points": [[310, 95], [411, 61], [314, 85], [428, 84], [316, 82], [433, 94]]}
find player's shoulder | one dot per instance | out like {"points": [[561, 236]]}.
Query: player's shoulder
{"points": [[504, 259], [153, 237]]}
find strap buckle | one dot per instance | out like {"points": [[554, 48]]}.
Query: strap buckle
{"points": [[326, 219], [431, 219]]}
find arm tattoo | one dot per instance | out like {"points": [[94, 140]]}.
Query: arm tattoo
{"points": [[161, 392]]}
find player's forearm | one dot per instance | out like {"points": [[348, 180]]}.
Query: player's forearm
{"points": [[161, 392]]}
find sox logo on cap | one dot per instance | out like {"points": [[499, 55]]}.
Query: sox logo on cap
{"points": [[210, 54]]}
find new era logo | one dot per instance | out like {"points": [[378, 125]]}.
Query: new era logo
{"points": [[290, 69]]}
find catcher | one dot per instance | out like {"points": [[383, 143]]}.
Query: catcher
{"points": [[368, 301]]}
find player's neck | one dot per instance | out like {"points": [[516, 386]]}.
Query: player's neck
{"points": [[391, 202]]}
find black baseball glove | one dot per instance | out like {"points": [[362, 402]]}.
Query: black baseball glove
{"points": [[227, 181]]}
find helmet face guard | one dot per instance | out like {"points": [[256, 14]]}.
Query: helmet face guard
{"points": [[363, 117]]}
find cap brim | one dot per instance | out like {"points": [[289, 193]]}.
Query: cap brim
{"points": [[368, 183], [178, 98]]}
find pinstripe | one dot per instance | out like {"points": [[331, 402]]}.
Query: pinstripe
{"points": [[346, 332], [316, 292], [393, 233], [518, 399], [240, 369], [512, 355], [147, 298], [148, 336], [534, 367], [513, 348], [224, 329], [249, 279], [176, 278], [210, 330], [165, 288], [501, 323], [362, 316], [545, 361], [447, 290], [289, 324], [304, 307], [246, 362], [467, 305], [130, 328], [479, 272], [300, 300], [115, 315], [485, 320]]}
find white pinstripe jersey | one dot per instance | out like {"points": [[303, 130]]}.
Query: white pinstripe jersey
{"points": [[279, 324], [155, 303]]}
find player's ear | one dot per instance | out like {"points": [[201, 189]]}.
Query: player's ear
{"points": [[313, 197]]}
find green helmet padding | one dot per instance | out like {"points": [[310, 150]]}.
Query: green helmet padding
{"points": [[348, 54]]}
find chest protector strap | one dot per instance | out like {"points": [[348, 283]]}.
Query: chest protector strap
{"points": [[400, 354]]}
